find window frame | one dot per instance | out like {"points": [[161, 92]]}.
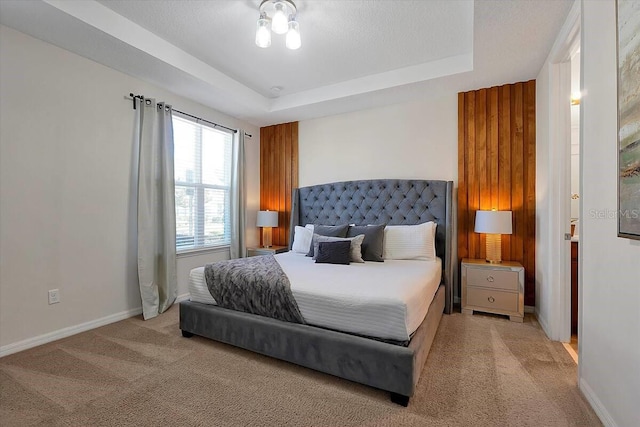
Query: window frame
{"points": [[199, 189]]}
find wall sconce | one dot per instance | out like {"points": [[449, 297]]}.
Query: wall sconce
{"points": [[494, 224], [267, 220]]}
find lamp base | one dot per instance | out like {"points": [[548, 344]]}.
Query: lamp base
{"points": [[266, 237], [494, 248]]}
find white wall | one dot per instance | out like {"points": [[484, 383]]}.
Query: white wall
{"points": [[411, 140], [610, 280], [543, 293], [416, 140], [67, 211]]}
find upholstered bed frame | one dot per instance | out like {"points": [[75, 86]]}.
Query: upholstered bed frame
{"points": [[385, 366]]}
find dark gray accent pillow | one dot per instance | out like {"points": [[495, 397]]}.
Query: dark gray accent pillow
{"points": [[373, 245], [356, 243], [334, 252], [328, 230]]}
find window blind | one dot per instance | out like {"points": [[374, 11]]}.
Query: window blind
{"points": [[202, 159]]}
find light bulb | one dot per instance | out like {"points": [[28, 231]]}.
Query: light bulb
{"points": [[263, 35], [293, 36], [279, 22]]}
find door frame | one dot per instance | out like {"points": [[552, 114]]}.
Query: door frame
{"points": [[559, 182]]}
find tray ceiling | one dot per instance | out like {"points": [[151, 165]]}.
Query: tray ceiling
{"points": [[355, 54]]}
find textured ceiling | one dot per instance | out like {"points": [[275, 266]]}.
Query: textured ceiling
{"points": [[342, 40], [355, 53]]}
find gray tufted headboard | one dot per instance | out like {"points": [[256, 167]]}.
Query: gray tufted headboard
{"points": [[384, 201]]}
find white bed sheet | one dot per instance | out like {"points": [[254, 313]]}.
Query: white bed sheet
{"points": [[387, 300]]}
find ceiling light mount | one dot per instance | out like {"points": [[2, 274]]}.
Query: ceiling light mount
{"points": [[278, 16]]}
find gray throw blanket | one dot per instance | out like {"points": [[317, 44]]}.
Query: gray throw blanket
{"points": [[254, 285]]}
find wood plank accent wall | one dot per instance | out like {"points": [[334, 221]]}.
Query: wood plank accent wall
{"points": [[278, 175], [496, 169]]}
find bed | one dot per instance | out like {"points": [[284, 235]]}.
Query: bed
{"points": [[357, 299], [356, 355]]}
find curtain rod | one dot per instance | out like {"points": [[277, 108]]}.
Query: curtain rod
{"points": [[215, 125]]}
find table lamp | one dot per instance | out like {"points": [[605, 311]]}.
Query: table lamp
{"points": [[494, 224], [266, 220]]}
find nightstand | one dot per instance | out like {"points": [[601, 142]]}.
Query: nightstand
{"points": [[266, 251], [493, 288]]}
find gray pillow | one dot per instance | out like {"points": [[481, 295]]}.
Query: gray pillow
{"points": [[334, 253], [328, 230], [373, 245], [356, 245]]}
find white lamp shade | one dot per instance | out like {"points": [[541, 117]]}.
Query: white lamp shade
{"points": [[494, 222], [267, 219]]}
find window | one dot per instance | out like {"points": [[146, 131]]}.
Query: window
{"points": [[203, 178]]}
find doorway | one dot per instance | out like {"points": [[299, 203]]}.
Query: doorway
{"points": [[553, 303], [574, 166]]}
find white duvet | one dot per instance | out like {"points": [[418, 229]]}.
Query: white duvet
{"points": [[387, 300]]}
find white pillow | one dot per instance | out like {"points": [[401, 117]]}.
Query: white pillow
{"points": [[302, 237], [410, 241]]}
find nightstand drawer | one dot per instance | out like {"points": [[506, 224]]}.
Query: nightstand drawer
{"points": [[492, 299], [497, 279]]}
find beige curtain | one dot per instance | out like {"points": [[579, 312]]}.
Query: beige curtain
{"points": [[238, 198], [156, 207]]}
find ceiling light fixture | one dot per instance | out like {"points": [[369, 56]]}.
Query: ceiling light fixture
{"points": [[278, 16]]}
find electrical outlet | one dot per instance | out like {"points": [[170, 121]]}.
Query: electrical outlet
{"points": [[54, 296]]}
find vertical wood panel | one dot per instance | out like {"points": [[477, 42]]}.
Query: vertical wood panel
{"points": [[481, 161], [504, 158], [265, 137], [517, 175], [496, 169], [525, 175], [293, 170], [285, 135], [530, 191], [463, 224], [278, 175], [473, 184], [493, 147], [285, 214], [481, 148]]}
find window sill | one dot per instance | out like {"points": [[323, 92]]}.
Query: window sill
{"points": [[202, 251]]}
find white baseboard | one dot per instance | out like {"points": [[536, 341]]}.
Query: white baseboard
{"points": [[596, 404], [72, 330], [8, 349]]}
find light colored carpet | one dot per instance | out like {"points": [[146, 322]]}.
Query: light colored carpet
{"points": [[482, 371]]}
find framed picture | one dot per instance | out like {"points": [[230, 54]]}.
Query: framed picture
{"points": [[628, 50]]}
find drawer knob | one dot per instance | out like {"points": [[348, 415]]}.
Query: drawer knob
{"points": [[490, 279], [491, 299]]}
